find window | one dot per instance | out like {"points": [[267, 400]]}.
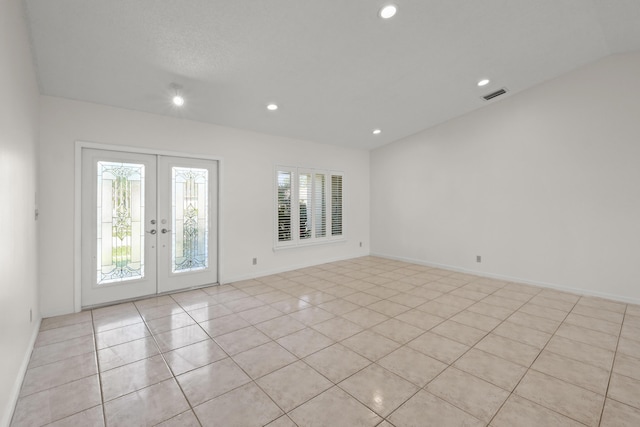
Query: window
{"points": [[309, 206]]}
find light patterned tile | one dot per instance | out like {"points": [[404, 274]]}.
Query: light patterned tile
{"points": [[627, 366], [412, 365], [625, 390], [264, 359], [90, 417], [57, 403], [293, 385], [477, 397], [581, 352], [194, 356], [280, 327], [397, 330], [523, 413], [425, 406], [438, 347], [491, 368], [370, 345], [380, 390], [241, 340], [244, 406], [572, 371], [211, 381], [509, 349], [476, 320], [185, 419], [62, 350], [134, 376], [522, 334], [618, 414], [334, 407], [365, 318], [459, 332], [305, 342], [148, 406], [570, 400], [337, 362]]}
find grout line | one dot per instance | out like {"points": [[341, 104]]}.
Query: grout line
{"points": [[613, 363], [530, 368], [173, 377], [95, 346]]}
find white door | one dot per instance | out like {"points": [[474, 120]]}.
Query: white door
{"points": [[187, 228], [149, 225]]}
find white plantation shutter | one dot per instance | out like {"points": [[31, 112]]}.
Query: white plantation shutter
{"points": [[336, 204], [320, 201], [309, 206], [284, 229], [305, 199]]}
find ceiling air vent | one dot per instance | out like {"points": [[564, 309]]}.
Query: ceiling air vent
{"points": [[495, 94]]}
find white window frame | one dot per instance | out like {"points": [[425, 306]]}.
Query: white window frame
{"points": [[296, 241]]}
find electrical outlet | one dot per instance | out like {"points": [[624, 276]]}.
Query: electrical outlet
{"points": [[255, 261], [360, 244], [478, 258]]}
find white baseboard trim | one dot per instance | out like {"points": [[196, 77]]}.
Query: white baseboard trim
{"points": [[572, 290], [238, 278], [17, 384]]}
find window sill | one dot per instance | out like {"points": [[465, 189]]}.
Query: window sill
{"points": [[307, 244]]}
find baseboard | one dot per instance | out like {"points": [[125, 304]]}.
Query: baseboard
{"points": [[15, 390], [572, 290], [231, 279]]}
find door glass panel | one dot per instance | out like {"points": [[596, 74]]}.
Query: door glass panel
{"points": [[190, 222], [120, 221]]}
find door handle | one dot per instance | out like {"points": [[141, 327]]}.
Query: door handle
{"points": [[152, 231], [164, 231]]}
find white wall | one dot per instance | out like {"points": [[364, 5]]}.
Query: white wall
{"points": [[544, 184], [247, 193], [18, 252]]}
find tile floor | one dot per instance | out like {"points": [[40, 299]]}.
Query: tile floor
{"points": [[365, 342]]}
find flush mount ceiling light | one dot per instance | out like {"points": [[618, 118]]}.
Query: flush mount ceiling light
{"points": [[178, 99], [483, 82], [272, 107], [388, 11], [377, 131]]}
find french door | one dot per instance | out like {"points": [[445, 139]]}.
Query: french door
{"points": [[149, 224]]}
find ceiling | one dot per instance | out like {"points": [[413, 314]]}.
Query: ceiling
{"points": [[334, 67]]}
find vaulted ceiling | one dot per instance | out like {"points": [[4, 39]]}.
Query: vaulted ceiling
{"points": [[336, 69]]}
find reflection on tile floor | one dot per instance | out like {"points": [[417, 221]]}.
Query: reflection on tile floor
{"points": [[364, 342]]}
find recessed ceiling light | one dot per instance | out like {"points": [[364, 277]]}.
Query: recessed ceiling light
{"points": [[272, 107], [483, 82], [377, 131], [178, 101], [388, 11]]}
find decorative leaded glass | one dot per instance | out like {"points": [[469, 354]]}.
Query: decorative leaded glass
{"points": [[120, 236], [190, 222]]}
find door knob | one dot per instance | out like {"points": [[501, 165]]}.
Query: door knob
{"points": [[164, 231], [152, 231]]}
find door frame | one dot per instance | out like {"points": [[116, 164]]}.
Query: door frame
{"points": [[77, 217]]}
